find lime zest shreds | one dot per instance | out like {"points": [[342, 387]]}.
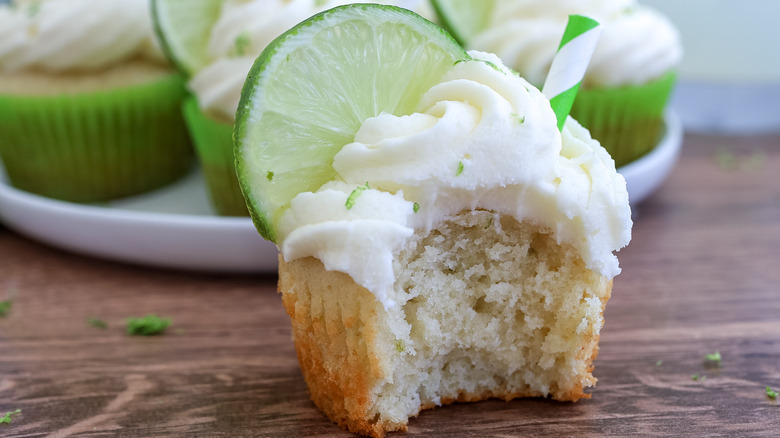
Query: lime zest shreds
{"points": [[771, 393], [5, 307], [460, 168], [97, 323], [699, 378], [519, 119], [354, 195], [269, 176], [183, 28], [756, 161], [148, 325], [241, 44], [416, 207], [713, 358], [311, 89], [6, 419], [726, 159], [490, 64], [466, 59], [484, 61]]}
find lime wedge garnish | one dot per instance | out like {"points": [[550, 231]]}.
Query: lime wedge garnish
{"points": [[184, 29], [464, 19], [311, 89]]}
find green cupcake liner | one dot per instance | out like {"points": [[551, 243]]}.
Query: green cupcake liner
{"points": [[627, 121], [98, 146], [214, 146]]}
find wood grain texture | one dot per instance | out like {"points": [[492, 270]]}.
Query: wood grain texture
{"points": [[701, 274]]}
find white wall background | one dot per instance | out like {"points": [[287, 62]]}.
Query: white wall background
{"points": [[730, 76], [727, 40]]}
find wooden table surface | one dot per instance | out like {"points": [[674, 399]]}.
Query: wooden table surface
{"points": [[702, 274]]}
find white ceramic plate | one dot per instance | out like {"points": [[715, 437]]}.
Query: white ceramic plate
{"points": [[646, 174], [175, 227], [172, 228]]}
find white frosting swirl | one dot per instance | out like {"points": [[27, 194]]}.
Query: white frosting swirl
{"points": [[63, 35], [481, 138], [637, 46], [244, 29], [218, 85]]}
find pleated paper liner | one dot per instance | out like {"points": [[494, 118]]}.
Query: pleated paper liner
{"points": [[213, 142], [98, 146], [627, 121]]}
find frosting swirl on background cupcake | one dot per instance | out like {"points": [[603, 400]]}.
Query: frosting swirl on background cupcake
{"points": [[74, 35], [242, 32], [638, 44]]}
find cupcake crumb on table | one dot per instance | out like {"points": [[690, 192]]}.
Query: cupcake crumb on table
{"points": [[89, 107]]}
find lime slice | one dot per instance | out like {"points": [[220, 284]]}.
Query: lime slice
{"points": [[464, 19], [312, 88], [184, 28]]}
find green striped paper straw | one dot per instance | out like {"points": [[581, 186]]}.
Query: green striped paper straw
{"points": [[569, 64]]}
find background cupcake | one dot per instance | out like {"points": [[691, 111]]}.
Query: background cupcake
{"points": [[89, 109], [238, 35], [630, 76], [216, 51]]}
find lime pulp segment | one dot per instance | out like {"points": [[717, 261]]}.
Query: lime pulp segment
{"points": [[464, 19], [184, 29], [311, 89]]}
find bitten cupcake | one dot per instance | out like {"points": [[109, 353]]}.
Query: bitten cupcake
{"points": [[89, 108], [630, 76], [231, 36], [441, 239]]}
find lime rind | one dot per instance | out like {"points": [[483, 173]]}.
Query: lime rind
{"points": [[464, 19], [311, 89], [184, 28]]}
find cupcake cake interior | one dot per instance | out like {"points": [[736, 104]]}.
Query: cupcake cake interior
{"points": [[493, 308]]}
